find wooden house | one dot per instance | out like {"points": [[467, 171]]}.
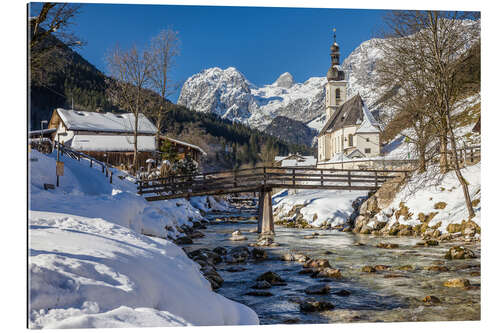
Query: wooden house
{"points": [[184, 149], [106, 136]]}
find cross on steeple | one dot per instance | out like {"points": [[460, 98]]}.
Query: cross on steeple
{"points": [[334, 35]]}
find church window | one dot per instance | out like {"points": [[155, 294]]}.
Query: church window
{"points": [[368, 150], [367, 139], [337, 93], [351, 141]]}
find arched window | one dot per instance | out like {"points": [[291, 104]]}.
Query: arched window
{"points": [[337, 93], [351, 140]]}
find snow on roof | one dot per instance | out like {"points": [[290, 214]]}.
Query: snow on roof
{"points": [[369, 124], [309, 161], [185, 144], [105, 122], [112, 143]]}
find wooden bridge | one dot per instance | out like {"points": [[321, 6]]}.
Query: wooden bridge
{"points": [[263, 180]]}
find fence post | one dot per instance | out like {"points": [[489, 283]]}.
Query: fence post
{"points": [[91, 163], [472, 155], [102, 168], [264, 170], [106, 171], [293, 177], [376, 179], [111, 178], [140, 187], [321, 177], [234, 179], [349, 177]]}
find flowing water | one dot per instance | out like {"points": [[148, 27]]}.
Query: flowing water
{"points": [[392, 295]]}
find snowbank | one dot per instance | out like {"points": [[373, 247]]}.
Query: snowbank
{"points": [[316, 207], [88, 272], [422, 195], [85, 191]]}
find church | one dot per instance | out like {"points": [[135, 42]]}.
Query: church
{"points": [[351, 132]]}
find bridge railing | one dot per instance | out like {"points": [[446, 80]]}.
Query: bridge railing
{"points": [[276, 177]]}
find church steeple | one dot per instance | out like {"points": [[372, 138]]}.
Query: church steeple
{"points": [[334, 72]]}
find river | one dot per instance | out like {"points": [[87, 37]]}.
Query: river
{"points": [[389, 295]]}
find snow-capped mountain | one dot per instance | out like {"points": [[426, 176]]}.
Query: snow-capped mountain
{"points": [[227, 93]]}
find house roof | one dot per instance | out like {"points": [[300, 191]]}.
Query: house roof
{"points": [[295, 160], [105, 122], [352, 113]]}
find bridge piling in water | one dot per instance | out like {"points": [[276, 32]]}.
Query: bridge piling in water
{"points": [[266, 223]]}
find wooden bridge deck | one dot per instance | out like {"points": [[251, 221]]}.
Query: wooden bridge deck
{"points": [[263, 179]]}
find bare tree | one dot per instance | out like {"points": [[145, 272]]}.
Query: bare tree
{"points": [[50, 19], [131, 71], [426, 49], [164, 49]]}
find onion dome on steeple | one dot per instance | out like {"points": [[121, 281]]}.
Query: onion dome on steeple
{"points": [[334, 72]]}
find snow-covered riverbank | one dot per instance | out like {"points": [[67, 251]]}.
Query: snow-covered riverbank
{"points": [[91, 266]]}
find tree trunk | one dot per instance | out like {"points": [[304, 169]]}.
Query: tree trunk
{"points": [[456, 166], [443, 153], [421, 159]]}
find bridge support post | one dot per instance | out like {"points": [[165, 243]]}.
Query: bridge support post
{"points": [[266, 223]]}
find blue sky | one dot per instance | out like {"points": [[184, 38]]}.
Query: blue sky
{"points": [[262, 43]]}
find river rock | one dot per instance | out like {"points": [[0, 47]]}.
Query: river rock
{"points": [[437, 268], [196, 234], [236, 238], [220, 250], [368, 269], [213, 277], [429, 299], [387, 246], [183, 240], [315, 306], [259, 293], [459, 252], [381, 267], [429, 242], [234, 269], [236, 233], [317, 263], [259, 254], [261, 285], [273, 278], [318, 289], [205, 255], [330, 273], [306, 271], [237, 254], [343, 293], [310, 237], [457, 283]]}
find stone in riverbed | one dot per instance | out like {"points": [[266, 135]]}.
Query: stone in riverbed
{"points": [[273, 278], [429, 299], [368, 269], [387, 246], [317, 263], [429, 242], [437, 268], [315, 306], [237, 254], [261, 285], [459, 252], [183, 240], [259, 293], [259, 254], [330, 273], [196, 234], [234, 269], [405, 268], [343, 293], [220, 250], [381, 267], [318, 289], [393, 276], [457, 283], [310, 237]]}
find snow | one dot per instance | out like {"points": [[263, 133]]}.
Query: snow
{"points": [[85, 142], [423, 191], [105, 121], [369, 124], [89, 272], [332, 207], [92, 265]]}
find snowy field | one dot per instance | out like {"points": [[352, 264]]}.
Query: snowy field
{"points": [[91, 266]]}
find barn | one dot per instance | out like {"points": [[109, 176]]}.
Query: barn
{"points": [[106, 136]]}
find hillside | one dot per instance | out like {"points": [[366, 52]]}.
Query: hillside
{"points": [[292, 131]]}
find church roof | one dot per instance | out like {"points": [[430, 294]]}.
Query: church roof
{"points": [[352, 113]]}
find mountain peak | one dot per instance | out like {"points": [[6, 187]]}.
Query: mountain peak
{"points": [[284, 81]]}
